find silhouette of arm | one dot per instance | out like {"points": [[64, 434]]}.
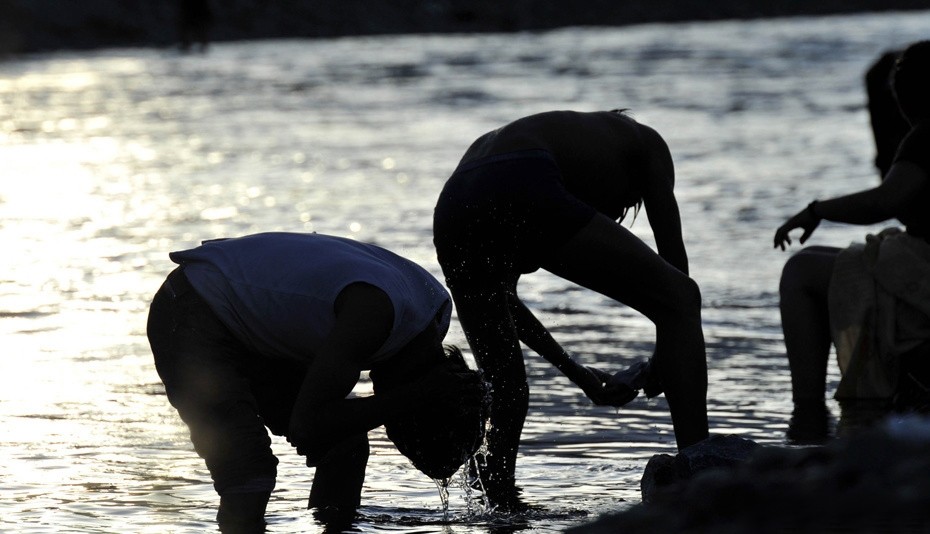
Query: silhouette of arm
{"points": [[537, 337], [878, 204], [903, 181], [661, 205], [322, 416]]}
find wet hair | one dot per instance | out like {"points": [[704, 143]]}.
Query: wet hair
{"points": [[636, 207], [439, 437], [911, 81]]}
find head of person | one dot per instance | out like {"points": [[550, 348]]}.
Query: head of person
{"points": [[911, 82], [438, 436]]}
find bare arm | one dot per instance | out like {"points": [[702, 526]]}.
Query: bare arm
{"points": [[878, 204], [538, 338], [870, 206], [322, 414], [661, 205]]}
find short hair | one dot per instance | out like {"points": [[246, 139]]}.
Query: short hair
{"points": [[439, 437], [911, 81]]}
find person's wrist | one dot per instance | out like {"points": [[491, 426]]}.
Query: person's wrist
{"points": [[575, 371], [812, 210]]}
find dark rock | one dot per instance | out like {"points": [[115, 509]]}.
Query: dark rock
{"points": [[874, 481], [714, 452]]}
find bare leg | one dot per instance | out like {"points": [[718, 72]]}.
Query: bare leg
{"points": [[492, 336], [609, 259], [203, 372], [242, 513], [805, 321]]}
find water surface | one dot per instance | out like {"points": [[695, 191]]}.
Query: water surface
{"points": [[113, 158]]}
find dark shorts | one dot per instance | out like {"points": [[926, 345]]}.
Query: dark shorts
{"points": [[226, 394], [502, 216]]}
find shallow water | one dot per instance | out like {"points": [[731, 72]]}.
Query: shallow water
{"points": [[111, 159]]}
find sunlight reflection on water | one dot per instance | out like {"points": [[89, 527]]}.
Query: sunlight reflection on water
{"points": [[113, 158]]}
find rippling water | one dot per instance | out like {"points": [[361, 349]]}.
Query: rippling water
{"points": [[110, 159]]}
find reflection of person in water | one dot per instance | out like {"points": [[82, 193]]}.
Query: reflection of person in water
{"points": [[546, 191], [274, 329], [852, 297], [195, 17]]}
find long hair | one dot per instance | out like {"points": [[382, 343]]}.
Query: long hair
{"points": [[911, 82], [636, 207]]}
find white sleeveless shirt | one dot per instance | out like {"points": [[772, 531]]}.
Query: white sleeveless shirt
{"points": [[277, 291]]}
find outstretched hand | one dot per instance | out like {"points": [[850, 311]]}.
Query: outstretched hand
{"points": [[804, 219]]}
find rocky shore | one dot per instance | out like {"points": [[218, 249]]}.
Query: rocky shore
{"points": [[44, 25], [870, 482]]}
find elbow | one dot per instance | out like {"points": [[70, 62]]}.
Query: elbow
{"points": [[882, 211], [306, 426]]}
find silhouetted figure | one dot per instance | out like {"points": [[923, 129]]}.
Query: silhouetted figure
{"points": [[547, 191], [871, 301], [195, 19], [274, 330]]}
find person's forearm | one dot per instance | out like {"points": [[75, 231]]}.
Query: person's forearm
{"points": [[665, 220], [346, 417], [314, 431], [543, 344], [856, 208], [540, 341], [537, 337], [676, 256]]}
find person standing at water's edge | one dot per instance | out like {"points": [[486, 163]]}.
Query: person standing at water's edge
{"points": [[872, 300], [274, 329], [547, 191]]}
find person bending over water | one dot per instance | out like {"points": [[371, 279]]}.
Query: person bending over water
{"points": [[274, 329], [548, 191], [831, 295]]}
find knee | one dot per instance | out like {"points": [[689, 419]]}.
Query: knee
{"points": [[690, 295], [687, 302], [229, 432], [796, 274], [679, 307]]}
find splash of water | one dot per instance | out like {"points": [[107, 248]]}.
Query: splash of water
{"points": [[442, 484], [473, 487]]}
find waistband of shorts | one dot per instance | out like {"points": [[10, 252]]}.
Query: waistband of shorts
{"points": [[178, 282], [530, 153]]}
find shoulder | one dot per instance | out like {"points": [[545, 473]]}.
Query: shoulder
{"points": [[915, 147], [368, 308]]}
